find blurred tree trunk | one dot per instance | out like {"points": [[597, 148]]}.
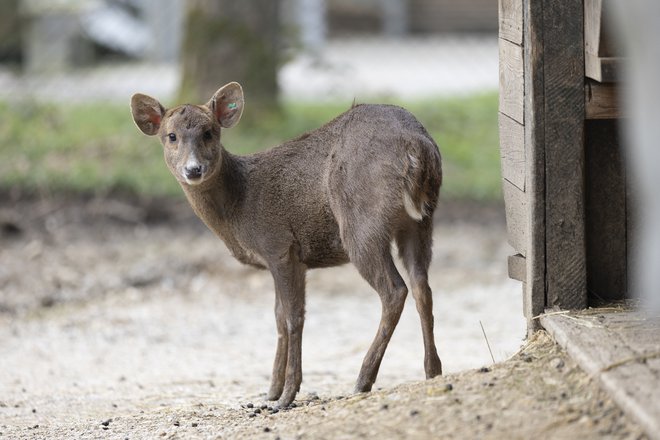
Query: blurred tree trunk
{"points": [[10, 31], [232, 40]]}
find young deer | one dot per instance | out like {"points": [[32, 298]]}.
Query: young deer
{"points": [[340, 193]]}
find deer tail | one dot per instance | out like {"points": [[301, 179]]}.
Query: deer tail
{"points": [[423, 177]]}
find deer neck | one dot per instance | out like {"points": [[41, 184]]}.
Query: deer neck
{"points": [[216, 200]]}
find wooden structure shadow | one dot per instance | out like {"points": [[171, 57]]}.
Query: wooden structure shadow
{"points": [[568, 201]]}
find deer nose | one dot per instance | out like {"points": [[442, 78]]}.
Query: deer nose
{"points": [[193, 172]]}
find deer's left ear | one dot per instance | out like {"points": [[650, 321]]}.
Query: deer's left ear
{"points": [[227, 104]]}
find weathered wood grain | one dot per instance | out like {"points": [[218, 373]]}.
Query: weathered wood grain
{"points": [[621, 350], [517, 267], [601, 101], [601, 61], [516, 216], [597, 34], [511, 20], [602, 69], [512, 151], [512, 85], [592, 25], [606, 216], [534, 286], [563, 83]]}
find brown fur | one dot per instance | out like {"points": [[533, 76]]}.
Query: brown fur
{"points": [[332, 195]]}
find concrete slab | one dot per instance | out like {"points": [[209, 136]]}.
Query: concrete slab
{"points": [[620, 348]]}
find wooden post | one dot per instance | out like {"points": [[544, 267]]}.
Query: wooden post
{"points": [[563, 84], [534, 294]]}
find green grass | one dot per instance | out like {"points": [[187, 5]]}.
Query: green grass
{"points": [[95, 148]]}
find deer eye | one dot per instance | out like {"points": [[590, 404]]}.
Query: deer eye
{"points": [[208, 135], [172, 137]]}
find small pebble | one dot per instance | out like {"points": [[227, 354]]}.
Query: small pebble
{"points": [[194, 424], [484, 370], [34, 410], [557, 363], [252, 415], [106, 422], [384, 407], [274, 411], [257, 411], [449, 387], [263, 407], [266, 429], [414, 412], [249, 405], [176, 423]]}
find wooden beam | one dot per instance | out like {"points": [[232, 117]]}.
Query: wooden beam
{"points": [[601, 101], [602, 69], [563, 83], [620, 351], [534, 286]]}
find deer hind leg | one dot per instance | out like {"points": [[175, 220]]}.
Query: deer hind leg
{"points": [[375, 264], [414, 243]]}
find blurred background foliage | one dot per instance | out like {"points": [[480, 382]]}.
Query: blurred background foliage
{"points": [[65, 83]]}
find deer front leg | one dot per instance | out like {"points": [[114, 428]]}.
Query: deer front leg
{"points": [[289, 280], [279, 366]]}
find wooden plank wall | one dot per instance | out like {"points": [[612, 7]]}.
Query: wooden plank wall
{"points": [[511, 120], [542, 105]]}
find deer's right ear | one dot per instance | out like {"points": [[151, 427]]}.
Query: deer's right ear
{"points": [[147, 113]]}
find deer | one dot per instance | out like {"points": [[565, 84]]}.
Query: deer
{"points": [[344, 192]]}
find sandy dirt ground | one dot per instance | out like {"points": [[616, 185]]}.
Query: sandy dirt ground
{"points": [[127, 319]]}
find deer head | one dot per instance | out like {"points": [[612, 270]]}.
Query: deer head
{"points": [[190, 134]]}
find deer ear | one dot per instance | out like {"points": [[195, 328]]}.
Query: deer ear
{"points": [[147, 113], [227, 104]]}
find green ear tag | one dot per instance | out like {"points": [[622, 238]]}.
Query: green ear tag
{"points": [[232, 106]]}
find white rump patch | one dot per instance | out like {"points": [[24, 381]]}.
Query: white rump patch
{"points": [[411, 209]]}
